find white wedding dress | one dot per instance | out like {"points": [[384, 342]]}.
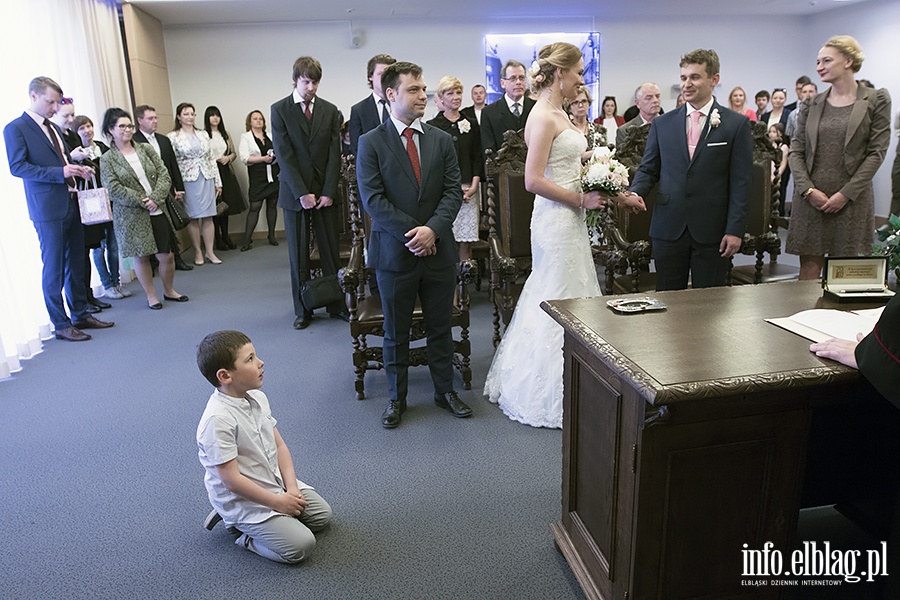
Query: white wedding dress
{"points": [[526, 377]]}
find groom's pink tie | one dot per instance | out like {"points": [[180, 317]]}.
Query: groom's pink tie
{"points": [[694, 132]]}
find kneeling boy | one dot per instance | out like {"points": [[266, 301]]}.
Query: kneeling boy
{"points": [[249, 472]]}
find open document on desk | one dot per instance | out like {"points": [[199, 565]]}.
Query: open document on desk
{"points": [[822, 324]]}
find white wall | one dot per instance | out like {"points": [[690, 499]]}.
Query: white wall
{"points": [[245, 67], [876, 25]]}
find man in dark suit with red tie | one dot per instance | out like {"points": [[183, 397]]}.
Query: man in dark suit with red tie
{"points": [[702, 156], [373, 110], [409, 184], [509, 112], [38, 155], [306, 136]]}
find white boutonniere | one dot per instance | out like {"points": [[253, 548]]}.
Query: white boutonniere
{"points": [[714, 118], [464, 126]]}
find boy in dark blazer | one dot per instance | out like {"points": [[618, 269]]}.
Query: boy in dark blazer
{"points": [[373, 110], [702, 157], [409, 184], [306, 136]]}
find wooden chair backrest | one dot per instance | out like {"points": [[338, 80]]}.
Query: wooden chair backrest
{"points": [[513, 203], [759, 203], [516, 204]]}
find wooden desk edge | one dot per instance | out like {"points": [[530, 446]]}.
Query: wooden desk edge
{"points": [[658, 394]]}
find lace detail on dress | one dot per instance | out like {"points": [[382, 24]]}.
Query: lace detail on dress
{"points": [[526, 376]]}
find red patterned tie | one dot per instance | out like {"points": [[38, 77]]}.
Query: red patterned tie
{"points": [[413, 153], [70, 181], [307, 112]]}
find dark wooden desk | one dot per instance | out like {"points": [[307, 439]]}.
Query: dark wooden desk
{"points": [[686, 435]]}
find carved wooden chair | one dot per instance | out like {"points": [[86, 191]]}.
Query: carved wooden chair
{"points": [[762, 217], [342, 201], [623, 247], [510, 237], [367, 318]]}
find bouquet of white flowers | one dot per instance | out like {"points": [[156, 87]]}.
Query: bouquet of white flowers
{"points": [[605, 174]]}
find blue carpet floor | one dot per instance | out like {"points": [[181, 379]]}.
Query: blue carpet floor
{"points": [[103, 494]]}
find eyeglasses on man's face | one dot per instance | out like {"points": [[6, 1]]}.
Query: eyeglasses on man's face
{"points": [[514, 78]]}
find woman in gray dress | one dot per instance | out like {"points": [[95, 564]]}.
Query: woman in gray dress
{"points": [[841, 139], [138, 185]]}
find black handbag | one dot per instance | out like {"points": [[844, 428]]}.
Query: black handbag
{"points": [[320, 292], [177, 212]]}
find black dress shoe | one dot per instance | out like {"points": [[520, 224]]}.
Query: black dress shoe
{"points": [[181, 298], [157, 306], [91, 309], [91, 322], [180, 265], [451, 402], [391, 416], [273, 242], [343, 316], [72, 334], [99, 303], [303, 321], [246, 247]]}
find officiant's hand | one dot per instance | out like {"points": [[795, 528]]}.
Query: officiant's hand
{"points": [[843, 351], [422, 241]]}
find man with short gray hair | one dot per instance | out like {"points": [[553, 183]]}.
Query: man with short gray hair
{"points": [[647, 100]]}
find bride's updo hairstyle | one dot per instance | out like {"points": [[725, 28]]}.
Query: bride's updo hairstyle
{"points": [[552, 56]]}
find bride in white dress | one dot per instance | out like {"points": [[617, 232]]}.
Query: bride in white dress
{"points": [[526, 376]]}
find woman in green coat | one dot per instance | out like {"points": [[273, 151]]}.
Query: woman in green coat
{"points": [[138, 184]]}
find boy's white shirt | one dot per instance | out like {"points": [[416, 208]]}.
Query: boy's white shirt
{"points": [[229, 423]]}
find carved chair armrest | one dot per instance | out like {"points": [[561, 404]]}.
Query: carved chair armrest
{"points": [[353, 279], [464, 274]]}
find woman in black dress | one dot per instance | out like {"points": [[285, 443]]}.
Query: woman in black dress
{"points": [[258, 154], [467, 141], [222, 148]]}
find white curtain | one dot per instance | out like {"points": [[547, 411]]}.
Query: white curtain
{"points": [[78, 44]]}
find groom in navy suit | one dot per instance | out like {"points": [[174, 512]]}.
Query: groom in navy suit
{"points": [[409, 185], [38, 155], [702, 157]]}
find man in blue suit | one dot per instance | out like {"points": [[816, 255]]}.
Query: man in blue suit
{"points": [[373, 110], [702, 156], [38, 154], [409, 185]]}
